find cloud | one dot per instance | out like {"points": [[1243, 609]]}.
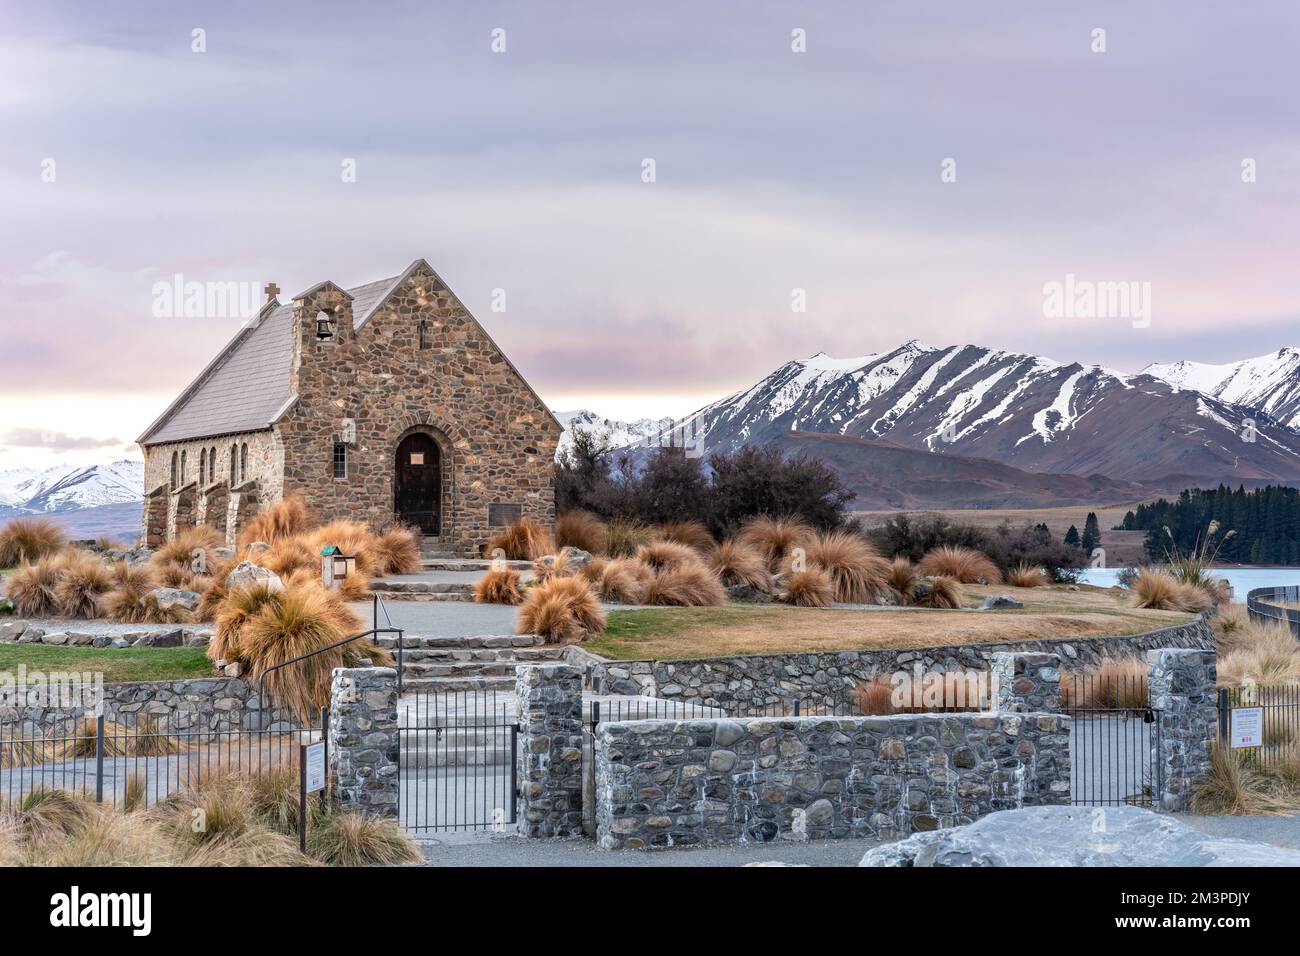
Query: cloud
{"points": [[55, 440]]}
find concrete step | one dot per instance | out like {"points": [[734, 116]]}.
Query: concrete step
{"points": [[444, 685], [447, 655], [386, 587], [471, 641], [417, 669], [452, 563]]}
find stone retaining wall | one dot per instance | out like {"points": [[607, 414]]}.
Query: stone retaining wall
{"points": [[828, 678], [216, 704], [663, 783]]}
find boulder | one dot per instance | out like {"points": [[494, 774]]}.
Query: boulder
{"points": [[168, 598], [162, 639], [76, 639], [257, 548], [103, 640], [998, 602], [223, 554], [246, 574], [747, 592], [1076, 836], [120, 642], [31, 635], [58, 638], [196, 640], [11, 631]]}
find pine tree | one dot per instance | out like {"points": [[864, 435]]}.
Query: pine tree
{"points": [[1072, 537], [1091, 533]]}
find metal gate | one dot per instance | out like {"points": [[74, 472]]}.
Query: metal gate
{"points": [[457, 766], [1114, 739]]}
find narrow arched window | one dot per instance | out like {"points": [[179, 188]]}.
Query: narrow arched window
{"points": [[182, 481], [212, 464], [234, 460], [243, 462], [424, 334], [203, 464], [175, 472]]}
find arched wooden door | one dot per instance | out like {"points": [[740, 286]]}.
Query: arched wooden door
{"points": [[418, 483]]}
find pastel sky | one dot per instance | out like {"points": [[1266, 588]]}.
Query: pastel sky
{"points": [[522, 171]]}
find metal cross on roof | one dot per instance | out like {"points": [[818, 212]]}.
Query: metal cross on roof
{"points": [[271, 290]]}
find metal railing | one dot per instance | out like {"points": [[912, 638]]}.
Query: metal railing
{"points": [[1264, 606], [374, 632], [1279, 706]]}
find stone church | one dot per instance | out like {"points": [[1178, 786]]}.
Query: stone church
{"points": [[385, 403]]}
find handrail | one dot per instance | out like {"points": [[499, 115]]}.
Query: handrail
{"points": [[261, 681], [1259, 608]]}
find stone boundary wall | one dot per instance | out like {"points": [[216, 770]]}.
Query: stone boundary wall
{"points": [[215, 704], [64, 633], [662, 783], [364, 740], [550, 797], [829, 677], [1182, 685]]}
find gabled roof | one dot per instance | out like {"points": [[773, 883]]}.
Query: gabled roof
{"points": [[246, 387]]}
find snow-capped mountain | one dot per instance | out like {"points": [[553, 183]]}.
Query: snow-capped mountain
{"points": [[1269, 383], [63, 488], [1033, 413], [614, 433]]}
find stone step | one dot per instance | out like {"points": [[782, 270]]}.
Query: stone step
{"points": [[418, 669], [386, 587], [473, 640], [453, 563], [488, 655], [443, 685]]}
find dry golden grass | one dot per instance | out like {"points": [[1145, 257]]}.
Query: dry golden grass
{"points": [[774, 538], [583, 530], [352, 538], [1160, 591], [129, 600], [558, 565], [686, 584], [693, 534], [562, 610], [397, 551], [1027, 576], [660, 555], [875, 697], [525, 540], [1118, 682], [740, 564], [1234, 788], [26, 540], [858, 574], [1231, 627], [33, 588], [902, 579], [1263, 654], [623, 581], [288, 555], [938, 592], [180, 550], [966, 565], [812, 587], [498, 586], [626, 535], [284, 519], [352, 839]]}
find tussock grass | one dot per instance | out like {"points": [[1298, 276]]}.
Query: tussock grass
{"points": [[498, 586], [33, 588], [1027, 576], [563, 610], [287, 518], [858, 574], [351, 839], [661, 554], [1162, 592], [1117, 682], [26, 540], [397, 551], [965, 565], [938, 591], [1233, 788], [558, 565], [1264, 654], [626, 536], [902, 579], [622, 580], [737, 563], [525, 540], [687, 584], [352, 538], [774, 537], [693, 534], [84, 580], [180, 550], [288, 555], [812, 587], [583, 530]]}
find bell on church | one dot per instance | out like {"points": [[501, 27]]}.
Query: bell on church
{"points": [[324, 329]]}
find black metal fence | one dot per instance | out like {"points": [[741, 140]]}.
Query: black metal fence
{"points": [[133, 766], [458, 760], [1279, 721], [1275, 605], [1114, 738]]}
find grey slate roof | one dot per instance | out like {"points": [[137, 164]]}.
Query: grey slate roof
{"points": [[247, 385]]}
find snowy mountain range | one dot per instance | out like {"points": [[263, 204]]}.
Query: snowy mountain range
{"points": [[612, 432], [1163, 428], [64, 488]]}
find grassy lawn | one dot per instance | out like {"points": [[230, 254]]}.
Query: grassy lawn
{"points": [[117, 665], [1049, 613]]}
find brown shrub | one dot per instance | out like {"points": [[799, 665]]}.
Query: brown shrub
{"points": [[661, 555], [582, 530], [623, 581], [180, 550], [857, 573], [1027, 576], [965, 565], [288, 555], [1161, 592], [809, 588], [1119, 682], [774, 538], [902, 579], [525, 540], [287, 518], [562, 610], [130, 600], [626, 536], [685, 585], [938, 591], [498, 586], [397, 551], [352, 538], [82, 584], [26, 540], [738, 563], [693, 534], [33, 587], [558, 565]]}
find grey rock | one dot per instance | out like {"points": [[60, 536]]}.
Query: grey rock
{"points": [[1068, 836], [103, 640], [246, 574], [997, 602], [175, 597], [76, 639], [747, 592], [196, 640], [120, 642], [820, 813], [31, 635], [166, 639], [58, 638], [12, 630]]}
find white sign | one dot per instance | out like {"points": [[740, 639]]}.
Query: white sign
{"points": [[1247, 726], [315, 767]]}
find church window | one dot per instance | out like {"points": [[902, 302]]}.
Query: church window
{"points": [[203, 464], [340, 460], [234, 460], [424, 334], [175, 472], [212, 464], [182, 468], [243, 462]]}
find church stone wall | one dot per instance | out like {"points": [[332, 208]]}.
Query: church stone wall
{"points": [[497, 439]]}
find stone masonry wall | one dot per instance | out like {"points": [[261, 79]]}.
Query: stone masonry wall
{"points": [[1182, 684], [549, 701], [1025, 683], [364, 740], [215, 704], [662, 783], [497, 438], [754, 681]]}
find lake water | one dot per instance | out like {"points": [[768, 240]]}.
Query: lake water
{"points": [[1241, 579]]}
